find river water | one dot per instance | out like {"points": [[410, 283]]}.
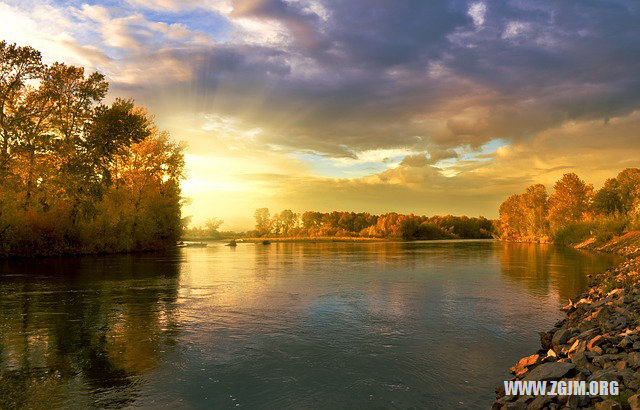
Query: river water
{"points": [[287, 325]]}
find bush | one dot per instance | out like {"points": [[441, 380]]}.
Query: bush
{"points": [[575, 233], [602, 231]]}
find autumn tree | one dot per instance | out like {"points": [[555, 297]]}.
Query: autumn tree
{"points": [[77, 176], [512, 221], [263, 221], [570, 201], [535, 210]]}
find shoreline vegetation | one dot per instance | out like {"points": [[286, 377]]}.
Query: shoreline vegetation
{"points": [[78, 176], [349, 226], [599, 339]]}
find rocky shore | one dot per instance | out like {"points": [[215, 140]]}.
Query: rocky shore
{"points": [[598, 340]]}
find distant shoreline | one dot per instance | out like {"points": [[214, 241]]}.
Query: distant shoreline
{"points": [[324, 239]]}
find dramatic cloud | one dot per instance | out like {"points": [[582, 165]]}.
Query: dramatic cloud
{"points": [[366, 101]]}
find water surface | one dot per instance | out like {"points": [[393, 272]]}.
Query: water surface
{"points": [[298, 325]]}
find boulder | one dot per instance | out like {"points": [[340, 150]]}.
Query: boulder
{"points": [[560, 337], [539, 402], [596, 341], [608, 405], [580, 359], [550, 371], [633, 360], [521, 367], [608, 375]]}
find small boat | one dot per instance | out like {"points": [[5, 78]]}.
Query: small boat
{"points": [[232, 243], [266, 242]]}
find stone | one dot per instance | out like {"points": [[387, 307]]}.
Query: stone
{"points": [[634, 402], [608, 405], [560, 337], [633, 360], [545, 340], [596, 341], [539, 402], [522, 366], [550, 371], [580, 359], [608, 375], [621, 365]]}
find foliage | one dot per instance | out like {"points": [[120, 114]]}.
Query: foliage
{"points": [[364, 224], [78, 176], [574, 212]]}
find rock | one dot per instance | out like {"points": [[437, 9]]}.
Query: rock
{"points": [[633, 359], [521, 367], [603, 375], [545, 340], [539, 402], [560, 337], [634, 402], [625, 342], [518, 405], [608, 405], [551, 353], [580, 359], [596, 341], [621, 365], [550, 371]]}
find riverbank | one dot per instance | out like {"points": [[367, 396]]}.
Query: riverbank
{"points": [[598, 340]]}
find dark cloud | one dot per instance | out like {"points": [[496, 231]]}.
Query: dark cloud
{"points": [[376, 74]]}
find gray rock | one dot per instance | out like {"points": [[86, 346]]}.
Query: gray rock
{"points": [[608, 405], [560, 337], [604, 375], [550, 371], [580, 359], [633, 360], [539, 402]]}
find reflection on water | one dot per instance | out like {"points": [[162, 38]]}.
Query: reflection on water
{"points": [[81, 331], [287, 325]]}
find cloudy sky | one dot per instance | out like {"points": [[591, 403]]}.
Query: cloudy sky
{"points": [[430, 107]]}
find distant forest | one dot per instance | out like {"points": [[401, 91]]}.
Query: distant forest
{"points": [[76, 175], [574, 212], [356, 225]]}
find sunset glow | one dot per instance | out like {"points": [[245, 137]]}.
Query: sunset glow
{"points": [[414, 107]]}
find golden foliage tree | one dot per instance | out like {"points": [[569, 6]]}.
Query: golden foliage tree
{"points": [[77, 176]]}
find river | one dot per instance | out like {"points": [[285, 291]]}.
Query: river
{"points": [[287, 325]]}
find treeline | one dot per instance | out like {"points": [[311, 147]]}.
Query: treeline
{"points": [[364, 224], [574, 211], [76, 175]]}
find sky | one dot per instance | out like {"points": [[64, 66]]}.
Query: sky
{"points": [[425, 107]]}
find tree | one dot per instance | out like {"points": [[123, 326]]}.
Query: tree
{"points": [[570, 201], [76, 175], [512, 221], [263, 221], [607, 199], [535, 209], [18, 65], [628, 187], [212, 225], [287, 220]]}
